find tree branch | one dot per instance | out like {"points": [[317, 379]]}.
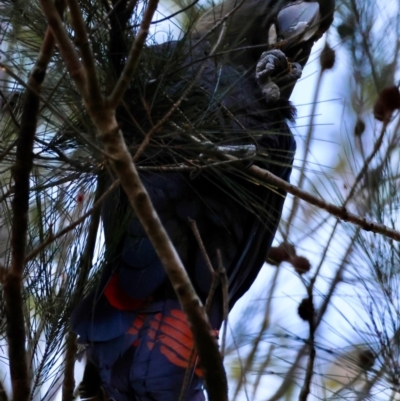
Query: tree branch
{"points": [[338, 211], [84, 267], [69, 379], [13, 282], [93, 87], [206, 344], [66, 47], [120, 159]]}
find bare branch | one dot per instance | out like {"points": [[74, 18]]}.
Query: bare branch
{"points": [[66, 47], [69, 379], [193, 226], [85, 264], [336, 280], [305, 390], [214, 283], [206, 344], [340, 212], [14, 306], [225, 299], [121, 161], [93, 87]]}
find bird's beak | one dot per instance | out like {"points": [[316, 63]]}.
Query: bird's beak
{"points": [[297, 22]]}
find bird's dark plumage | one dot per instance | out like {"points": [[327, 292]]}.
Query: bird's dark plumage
{"points": [[137, 335]]}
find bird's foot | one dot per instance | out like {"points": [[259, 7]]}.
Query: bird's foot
{"points": [[274, 74], [271, 64], [294, 73]]}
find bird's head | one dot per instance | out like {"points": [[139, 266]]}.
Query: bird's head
{"points": [[253, 26]]}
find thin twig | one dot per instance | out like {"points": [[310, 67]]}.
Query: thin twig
{"points": [[305, 390], [192, 167], [134, 55], [340, 212], [225, 299], [192, 362], [78, 24], [256, 341], [365, 392], [306, 151], [364, 169], [366, 45], [168, 17], [190, 371], [262, 368], [323, 256], [85, 264], [313, 327], [336, 280], [288, 379], [51, 107], [193, 226], [10, 110], [62, 156], [53, 237]]}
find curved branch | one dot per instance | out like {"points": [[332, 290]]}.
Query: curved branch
{"points": [[340, 212]]}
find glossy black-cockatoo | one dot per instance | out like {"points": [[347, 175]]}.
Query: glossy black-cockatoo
{"points": [[232, 83]]}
